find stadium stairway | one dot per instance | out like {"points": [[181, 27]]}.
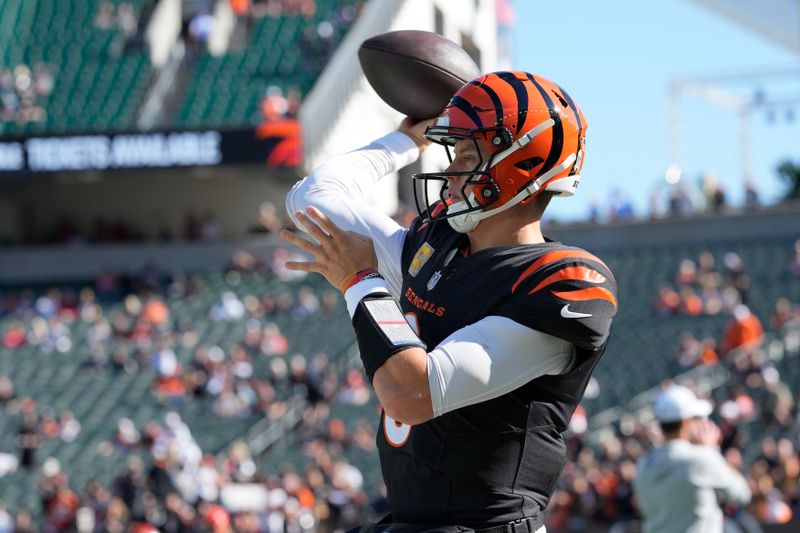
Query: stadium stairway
{"points": [[99, 398]]}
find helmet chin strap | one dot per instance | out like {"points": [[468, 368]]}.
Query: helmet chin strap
{"points": [[466, 222]]}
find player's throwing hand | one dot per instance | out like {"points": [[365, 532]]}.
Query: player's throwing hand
{"points": [[339, 256]]}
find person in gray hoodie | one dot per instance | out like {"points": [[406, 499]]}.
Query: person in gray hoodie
{"points": [[680, 484]]}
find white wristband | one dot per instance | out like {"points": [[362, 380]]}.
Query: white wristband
{"points": [[357, 292]]}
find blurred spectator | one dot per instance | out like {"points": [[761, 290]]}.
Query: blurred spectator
{"points": [[200, 27], [735, 274], [677, 485], [127, 21], [691, 303], [709, 354], [192, 227], [680, 202], [104, 18], [621, 207], [743, 331], [783, 313], [273, 341], [155, 311], [354, 390], [28, 438], [267, 220], [274, 105], [751, 201], [230, 308], [7, 393], [210, 229], [14, 336], [794, 264], [714, 193], [689, 353], [6, 520], [24, 522]]}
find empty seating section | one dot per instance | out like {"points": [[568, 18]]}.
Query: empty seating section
{"points": [[98, 84], [226, 90]]}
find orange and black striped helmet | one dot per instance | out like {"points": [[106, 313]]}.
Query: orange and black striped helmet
{"points": [[533, 130]]}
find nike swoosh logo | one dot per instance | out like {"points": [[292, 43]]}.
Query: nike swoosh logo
{"points": [[566, 313]]}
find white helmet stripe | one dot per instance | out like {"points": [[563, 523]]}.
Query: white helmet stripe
{"points": [[524, 139], [527, 191]]}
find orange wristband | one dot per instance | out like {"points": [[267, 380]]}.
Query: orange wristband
{"points": [[361, 275]]}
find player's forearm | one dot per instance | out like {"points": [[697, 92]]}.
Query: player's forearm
{"points": [[395, 359], [350, 177]]}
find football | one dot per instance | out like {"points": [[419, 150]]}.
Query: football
{"points": [[415, 72]]}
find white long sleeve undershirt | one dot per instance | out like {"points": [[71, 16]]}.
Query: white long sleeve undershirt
{"points": [[476, 363]]}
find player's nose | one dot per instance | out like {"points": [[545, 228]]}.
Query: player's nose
{"points": [[455, 185]]}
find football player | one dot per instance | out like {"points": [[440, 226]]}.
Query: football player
{"points": [[478, 333]]}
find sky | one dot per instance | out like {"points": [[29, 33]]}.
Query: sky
{"points": [[617, 59]]}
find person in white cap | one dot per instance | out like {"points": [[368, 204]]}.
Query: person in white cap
{"points": [[678, 484]]}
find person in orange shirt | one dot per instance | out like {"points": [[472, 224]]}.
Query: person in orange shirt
{"points": [[156, 311], [744, 331]]}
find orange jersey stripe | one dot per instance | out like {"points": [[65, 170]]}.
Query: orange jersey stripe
{"points": [[592, 293], [552, 257], [577, 273]]}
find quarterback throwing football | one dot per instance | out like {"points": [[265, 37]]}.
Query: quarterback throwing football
{"points": [[477, 333]]}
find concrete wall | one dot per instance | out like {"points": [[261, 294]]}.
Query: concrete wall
{"points": [[778, 221], [149, 200]]}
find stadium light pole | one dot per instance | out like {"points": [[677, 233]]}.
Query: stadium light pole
{"points": [[708, 89]]}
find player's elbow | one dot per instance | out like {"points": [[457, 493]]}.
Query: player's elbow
{"points": [[406, 412], [296, 200], [407, 405], [401, 385]]}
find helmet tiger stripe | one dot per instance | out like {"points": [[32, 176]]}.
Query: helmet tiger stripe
{"points": [[532, 128]]}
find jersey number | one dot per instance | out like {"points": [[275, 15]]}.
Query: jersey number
{"points": [[397, 433]]}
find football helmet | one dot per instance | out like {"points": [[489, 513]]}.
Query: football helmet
{"points": [[534, 135]]}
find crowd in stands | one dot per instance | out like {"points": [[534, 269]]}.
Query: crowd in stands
{"points": [[169, 482], [23, 92], [701, 288], [681, 200], [757, 414], [595, 489], [275, 106], [122, 17]]}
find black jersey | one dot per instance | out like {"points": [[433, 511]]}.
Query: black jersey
{"points": [[498, 460]]}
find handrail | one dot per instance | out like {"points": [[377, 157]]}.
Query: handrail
{"points": [[266, 433], [154, 101], [321, 107], [775, 348]]}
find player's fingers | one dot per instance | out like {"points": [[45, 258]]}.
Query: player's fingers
{"points": [[300, 242], [324, 222], [312, 227], [305, 266]]}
